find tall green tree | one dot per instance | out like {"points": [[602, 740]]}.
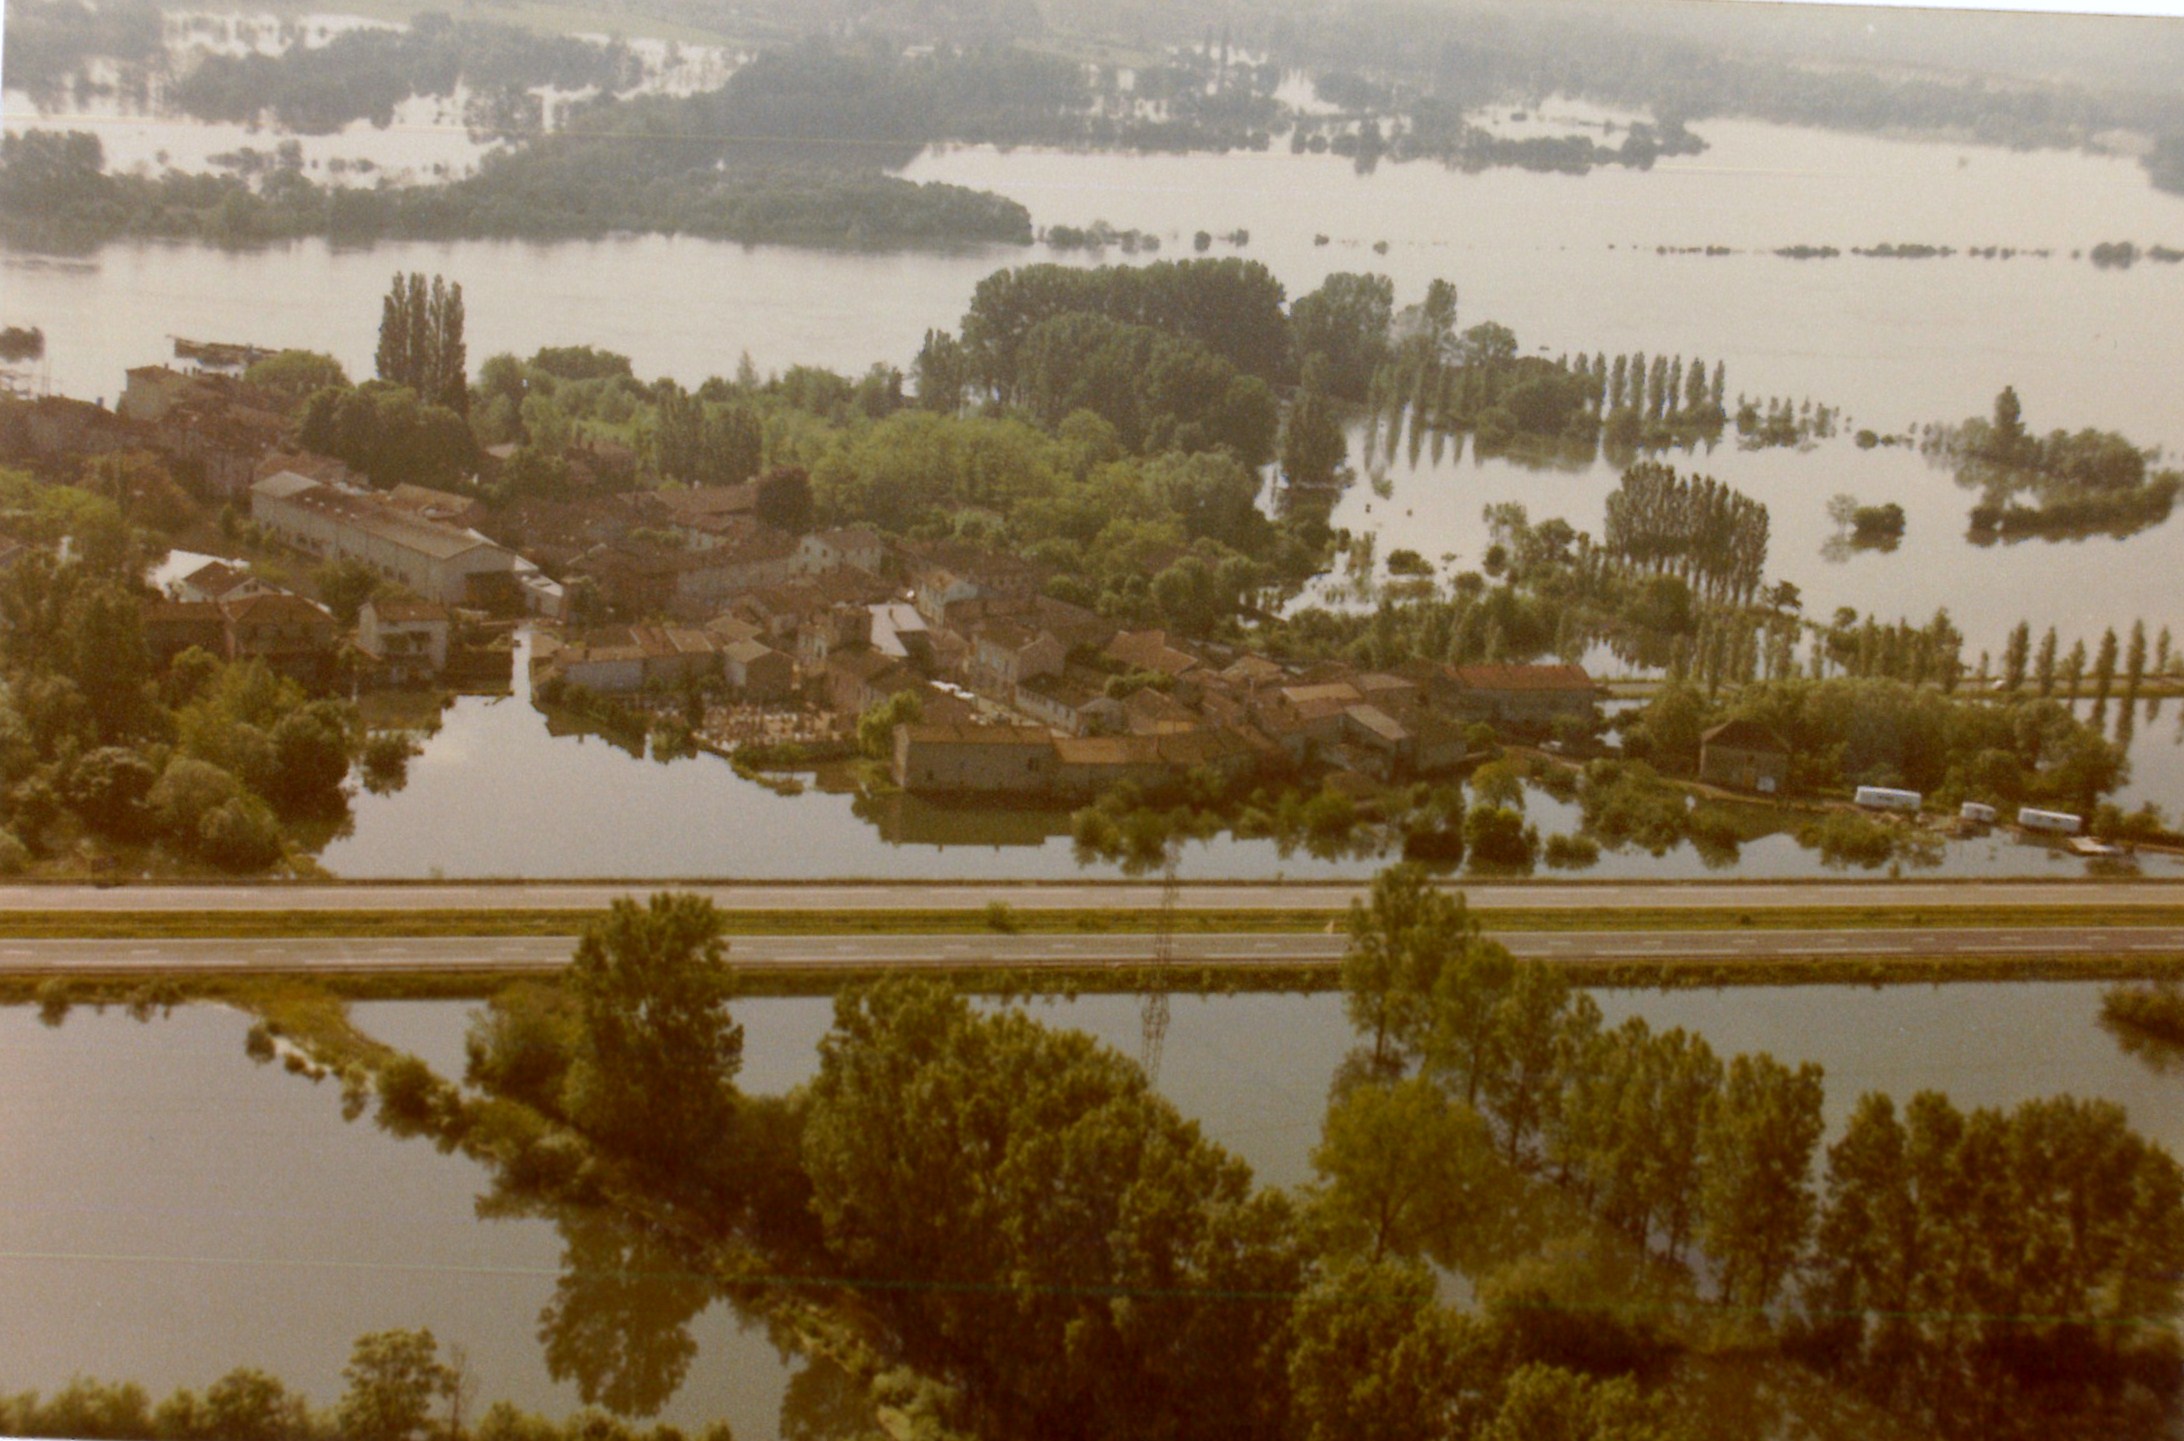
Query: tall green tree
{"points": [[654, 1074], [2014, 657], [1756, 1150], [1399, 942], [1403, 1168], [394, 1378], [1034, 1222], [421, 345]]}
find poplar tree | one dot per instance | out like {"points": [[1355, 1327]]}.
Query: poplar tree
{"points": [[421, 341], [2044, 668], [2014, 656], [2104, 674]]}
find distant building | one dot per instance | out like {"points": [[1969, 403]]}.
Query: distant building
{"points": [[174, 626], [406, 639], [758, 670], [287, 632], [1745, 755], [1529, 696], [986, 759], [852, 547], [439, 562], [218, 582]]}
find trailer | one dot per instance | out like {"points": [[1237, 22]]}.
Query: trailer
{"points": [[1977, 814], [2060, 823], [1881, 798]]}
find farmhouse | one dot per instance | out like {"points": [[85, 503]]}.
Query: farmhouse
{"points": [[1746, 755]]}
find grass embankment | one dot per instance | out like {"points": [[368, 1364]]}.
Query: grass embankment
{"points": [[150, 925], [1068, 980]]}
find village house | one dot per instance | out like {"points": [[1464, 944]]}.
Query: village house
{"points": [[1528, 697], [857, 680], [947, 575], [438, 562], [1148, 651], [290, 634], [216, 428], [406, 639], [1086, 765], [218, 581], [705, 516], [856, 547], [619, 659], [984, 759], [174, 626], [55, 425], [894, 628], [1005, 654], [1745, 755], [758, 670], [1073, 702]]}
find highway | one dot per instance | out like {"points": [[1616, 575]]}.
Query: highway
{"points": [[86, 957], [837, 896]]}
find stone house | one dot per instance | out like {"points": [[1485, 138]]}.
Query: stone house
{"points": [[173, 626], [1005, 654], [1525, 696], [758, 670], [287, 632], [981, 759], [855, 547], [1744, 755]]}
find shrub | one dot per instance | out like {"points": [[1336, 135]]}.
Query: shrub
{"points": [[14, 855], [1498, 836], [1573, 852], [1847, 838], [240, 835]]}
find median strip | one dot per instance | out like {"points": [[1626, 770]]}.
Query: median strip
{"points": [[155, 925]]}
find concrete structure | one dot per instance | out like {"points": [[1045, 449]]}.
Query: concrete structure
{"points": [[983, 759], [438, 562], [1745, 755], [406, 639]]}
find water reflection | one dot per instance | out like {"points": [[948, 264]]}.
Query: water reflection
{"points": [[619, 1321]]}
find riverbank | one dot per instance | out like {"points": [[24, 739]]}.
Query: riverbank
{"points": [[146, 989]]}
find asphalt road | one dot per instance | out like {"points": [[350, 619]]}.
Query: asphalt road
{"points": [[913, 952], [914, 895]]}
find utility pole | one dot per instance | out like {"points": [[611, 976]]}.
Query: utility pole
{"points": [[1153, 1010]]}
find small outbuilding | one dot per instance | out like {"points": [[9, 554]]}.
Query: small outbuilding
{"points": [[1745, 755]]}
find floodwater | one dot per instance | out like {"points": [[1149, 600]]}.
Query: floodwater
{"points": [[169, 1211], [1569, 263], [501, 791], [155, 1171]]}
